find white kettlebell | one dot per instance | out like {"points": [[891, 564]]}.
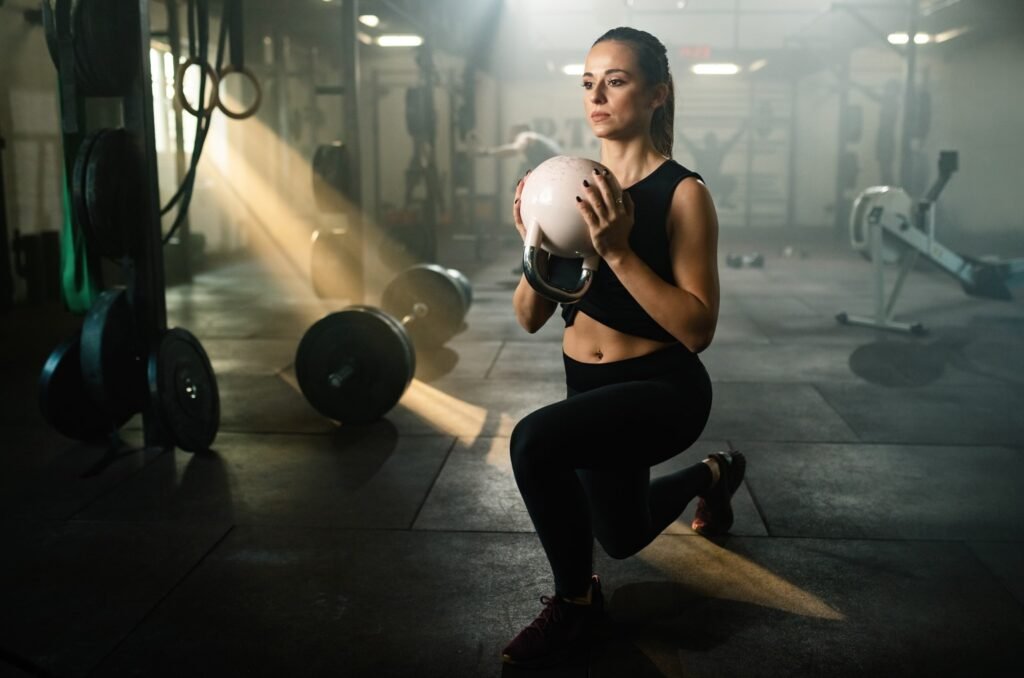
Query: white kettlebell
{"points": [[554, 224]]}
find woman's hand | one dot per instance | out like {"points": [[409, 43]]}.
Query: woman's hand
{"points": [[608, 214], [517, 218]]}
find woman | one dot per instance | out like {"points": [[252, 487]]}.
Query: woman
{"points": [[637, 393]]}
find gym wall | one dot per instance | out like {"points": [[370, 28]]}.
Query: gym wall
{"points": [[29, 123]]}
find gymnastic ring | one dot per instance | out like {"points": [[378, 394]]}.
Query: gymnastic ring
{"points": [[248, 112], [179, 85]]}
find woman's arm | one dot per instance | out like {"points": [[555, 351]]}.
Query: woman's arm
{"points": [[689, 309], [532, 310]]}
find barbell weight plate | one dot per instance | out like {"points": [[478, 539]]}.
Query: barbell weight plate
{"points": [[65, 402], [106, 44], [114, 191], [465, 287], [183, 388], [431, 285], [111, 359], [378, 349], [333, 261], [332, 181], [79, 206]]}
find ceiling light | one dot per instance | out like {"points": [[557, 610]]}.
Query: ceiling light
{"points": [[399, 41], [573, 69], [757, 65], [950, 34], [364, 38], [715, 69], [371, 20], [922, 38], [898, 38]]}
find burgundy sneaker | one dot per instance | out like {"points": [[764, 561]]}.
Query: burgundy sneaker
{"points": [[559, 631], [714, 510]]}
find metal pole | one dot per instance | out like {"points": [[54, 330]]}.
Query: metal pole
{"points": [[184, 231], [791, 165], [909, 96], [350, 111], [6, 279], [147, 281], [841, 213]]}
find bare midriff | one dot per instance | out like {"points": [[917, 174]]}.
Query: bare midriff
{"points": [[588, 341]]}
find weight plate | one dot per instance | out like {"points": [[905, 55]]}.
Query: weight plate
{"points": [[114, 191], [332, 262], [183, 388], [64, 400], [79, 206], [111, 358], [332, 183], [431, 285], [465, 287], [377, 348], [106, 44]]}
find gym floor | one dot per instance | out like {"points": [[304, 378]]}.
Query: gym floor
{"points": [[880, 530]]}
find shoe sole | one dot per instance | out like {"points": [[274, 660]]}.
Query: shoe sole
{"points": [[737, 471]]}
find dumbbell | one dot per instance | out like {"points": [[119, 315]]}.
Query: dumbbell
{"points": [[354, 365]]}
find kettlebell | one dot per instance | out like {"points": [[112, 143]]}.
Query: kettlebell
{"points": [[555, 226]]}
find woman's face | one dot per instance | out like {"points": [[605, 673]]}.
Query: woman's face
{"points": [[617, 100]]}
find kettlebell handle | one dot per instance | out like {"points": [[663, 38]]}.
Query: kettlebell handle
{"points": [[532, 247]]}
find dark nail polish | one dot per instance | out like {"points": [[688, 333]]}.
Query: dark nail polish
{"points": [[579, 199], [597, 172], [605, 172], [586, 184], [517, 201]]}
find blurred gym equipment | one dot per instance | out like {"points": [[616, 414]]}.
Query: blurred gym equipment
{"points": [[354, 365], [888, 227]]}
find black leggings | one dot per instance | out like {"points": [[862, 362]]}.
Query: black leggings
{"points": [[583, 464]]}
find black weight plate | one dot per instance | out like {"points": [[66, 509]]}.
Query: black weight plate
{"points": [[465, 287], [332, 262], [374, 344], [114, 191], [183, 388], [107, 45], [79, 206], [431, 285], [332, 182], [112, 365], [64, 399]]}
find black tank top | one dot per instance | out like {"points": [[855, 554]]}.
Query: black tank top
{"points": [[607, 301]]}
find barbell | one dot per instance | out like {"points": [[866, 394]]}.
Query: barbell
{"points": [[353, 365]]}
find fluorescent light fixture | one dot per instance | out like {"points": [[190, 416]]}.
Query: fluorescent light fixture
{"points": [[715, 69], [757, 65], [371, 20], [364, 38], [399, 41], [950, 34], [904, 38], [573, 69]]}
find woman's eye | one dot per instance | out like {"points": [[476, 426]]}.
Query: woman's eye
{"points": [[587, 85], [615, 82]]}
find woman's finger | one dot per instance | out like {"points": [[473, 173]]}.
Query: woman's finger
{"points": [[611, 200], [592, 195]]}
